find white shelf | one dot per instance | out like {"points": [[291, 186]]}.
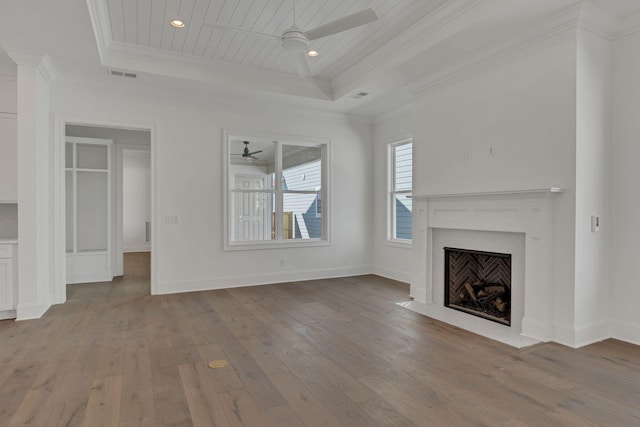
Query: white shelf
{"points": [[552, 190]]}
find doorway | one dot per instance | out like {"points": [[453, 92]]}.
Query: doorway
{"points": [[120, 213]]}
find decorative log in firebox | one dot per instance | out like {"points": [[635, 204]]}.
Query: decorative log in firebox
{"points": [[478, 283]]}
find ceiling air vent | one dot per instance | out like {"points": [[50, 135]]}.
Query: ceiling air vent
{"points": [[122, 74], [360, 95]]}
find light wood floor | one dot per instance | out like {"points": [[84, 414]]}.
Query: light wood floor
{"points": [[324, 353]]}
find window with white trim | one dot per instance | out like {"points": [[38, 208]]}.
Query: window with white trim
{"points": [[400, 191], [276, 192]]}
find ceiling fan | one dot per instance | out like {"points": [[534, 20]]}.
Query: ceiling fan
{"points": [[296, 41], [246, 154]]}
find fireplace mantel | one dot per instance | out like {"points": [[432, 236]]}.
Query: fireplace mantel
{"points": [[550, 190], [528, 212]]}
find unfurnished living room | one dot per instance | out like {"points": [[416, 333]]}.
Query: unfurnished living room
{"points": [[319, 213]]}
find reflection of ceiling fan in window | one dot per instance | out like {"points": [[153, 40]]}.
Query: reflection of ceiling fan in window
{"points": [[246, 153], [296, 41]]}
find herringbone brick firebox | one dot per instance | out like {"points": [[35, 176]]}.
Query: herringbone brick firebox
{"points": [[478, 283]]}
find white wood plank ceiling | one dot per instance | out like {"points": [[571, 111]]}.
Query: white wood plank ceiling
{"points": [[146, 23]]}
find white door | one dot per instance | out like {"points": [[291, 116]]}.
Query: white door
{"points": [[88, 209], [250, 208]]}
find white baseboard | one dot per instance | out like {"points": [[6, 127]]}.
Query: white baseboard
{"points": [[28, 312], [625, 331], [592, 333], [582, 335], [174, 287], [7, 314], [89, 277], [141, 248], [390, 273]]}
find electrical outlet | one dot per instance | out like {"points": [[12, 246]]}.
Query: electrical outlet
{"points": [[171, 219], [467, 155], [283, 262]]}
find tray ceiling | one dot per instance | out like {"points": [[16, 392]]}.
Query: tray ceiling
{"points": [[145, 23], [414, 45]]}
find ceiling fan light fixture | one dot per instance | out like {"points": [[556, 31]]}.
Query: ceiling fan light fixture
{"points": [[177, 23], [313, 53]]}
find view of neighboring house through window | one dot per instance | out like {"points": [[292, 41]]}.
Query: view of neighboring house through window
{"points": [[276, 190], [401, 187]]}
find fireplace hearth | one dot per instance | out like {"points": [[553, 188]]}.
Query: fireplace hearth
{"points": [[478, 283]]}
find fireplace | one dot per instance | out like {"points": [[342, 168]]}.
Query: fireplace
{"points": [[515, 222], [478, 283]]}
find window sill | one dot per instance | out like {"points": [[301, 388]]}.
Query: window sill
{"points": [[246, 246], [406, 244]]}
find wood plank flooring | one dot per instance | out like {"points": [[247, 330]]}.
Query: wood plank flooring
{"points": [[335, 352]]}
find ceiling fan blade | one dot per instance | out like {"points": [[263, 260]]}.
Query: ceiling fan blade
{"points": [[240, 30], [343, 24], [255, 152]]}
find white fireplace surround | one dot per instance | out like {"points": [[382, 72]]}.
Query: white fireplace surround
{"points": [[527, 212]]}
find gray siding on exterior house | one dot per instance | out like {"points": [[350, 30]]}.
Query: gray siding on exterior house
{"points": [[403, 158], [403, 221], [304, 177]]}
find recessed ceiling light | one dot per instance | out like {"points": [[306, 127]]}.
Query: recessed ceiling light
{"points": [[178, 23], [313, 53]]}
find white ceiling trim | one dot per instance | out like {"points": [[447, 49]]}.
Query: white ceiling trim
{"points": [[99, 15], [32, 58], [427, 32], [595, 21], [566, 19], [143, 59], [393, 114], [8, 70], [629, 26], [144, 88], [221, 73]]}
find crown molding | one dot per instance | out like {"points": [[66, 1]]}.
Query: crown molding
{"points": [[429, 31], [394, 27], [99, 15], [8, 69], [629, 26], [565, 20], [208, 99], [396, 113], [120, 55], [32, 58], [597, 22], [155, 61]]}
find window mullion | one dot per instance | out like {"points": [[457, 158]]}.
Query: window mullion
{"points": [[279, 193]]}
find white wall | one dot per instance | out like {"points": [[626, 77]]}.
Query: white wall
{"points": [[390, 260], [593, 145], [8, 92], [136, 199], [625, 212], [8, 138], [188, 167], [524, 106]]}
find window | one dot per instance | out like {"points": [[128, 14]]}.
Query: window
{"points": [[276, 192], [400, 191]]}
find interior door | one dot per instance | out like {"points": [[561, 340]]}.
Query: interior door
{"points": [[250, 208], [88, 210]]}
